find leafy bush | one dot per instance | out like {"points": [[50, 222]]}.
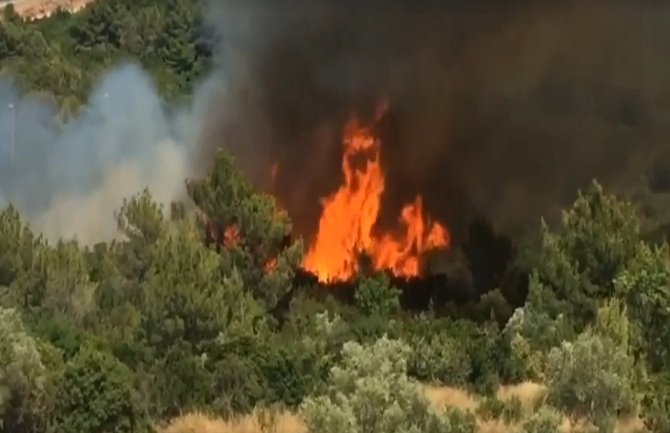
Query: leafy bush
{"points": [[576, 269], [370, 392], [545, 420], [645, 287], [376, 296], [439, 357], [490, 408], [26, 391], [96, 394], [656, 403], [591, 378], [493, 408]]}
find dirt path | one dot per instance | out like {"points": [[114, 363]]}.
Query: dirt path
{"points": [[37, 9]]}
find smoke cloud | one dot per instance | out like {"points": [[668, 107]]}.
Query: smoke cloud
{"points": [[69, 178], [498, 109]]}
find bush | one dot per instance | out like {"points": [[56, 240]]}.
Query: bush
{"points": [[545, 420], [376, 296], [290, 375], [96, 395], [490, 408], [26, 391], [656, 403], [370, 392], [493, 408], [455, 352], [439, 358], [591, 378]]}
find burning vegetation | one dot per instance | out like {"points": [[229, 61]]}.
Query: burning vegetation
{"points": [[347, 227], [349, 241]]}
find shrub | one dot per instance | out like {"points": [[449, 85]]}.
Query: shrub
{"points": [[493, 408], [370, 392], [591, 378], [439, 358], [26, 391], [490, 408], [656, 403], [376, 296], [545, 420], [96, 395]]}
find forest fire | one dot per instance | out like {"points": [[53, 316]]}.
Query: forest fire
{"points": [[347, 224]]}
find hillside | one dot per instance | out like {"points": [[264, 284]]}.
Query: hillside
{"points": [[38, 9], [200, 233]]}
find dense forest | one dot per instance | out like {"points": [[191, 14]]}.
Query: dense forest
{"points": [[170, 329], [65, 54]]}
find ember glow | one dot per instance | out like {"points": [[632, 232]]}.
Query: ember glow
{"points": [[347, 224]]}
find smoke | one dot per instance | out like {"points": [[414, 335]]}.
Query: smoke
{"points": [[69, 178], [498, 109]]}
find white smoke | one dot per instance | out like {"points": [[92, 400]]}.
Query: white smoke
{"points": [[68, 179]]}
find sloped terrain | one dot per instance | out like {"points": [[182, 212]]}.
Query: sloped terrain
{"points": [[37, 9]]}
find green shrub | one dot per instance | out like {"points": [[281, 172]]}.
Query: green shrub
{"points": [[490, 408], [376, 296], [513, 410], [26, 391], [591, 378], [96, 395], [545, 420], [439, 358], [493, 408], [656, 403], [370, 392]]}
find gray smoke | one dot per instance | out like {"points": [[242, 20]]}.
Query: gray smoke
{"points": [[69, 178], [500, 109]]}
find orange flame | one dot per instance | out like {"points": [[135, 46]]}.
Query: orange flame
{"points": [[231, 236], [350, 214]]}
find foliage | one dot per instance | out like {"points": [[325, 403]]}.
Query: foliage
{"points": [[645, 287], [656, 403], [66, 53], [437, 355], [199, 309], [187, 297], [591, 377], [18, 252], [577, 267], [25, 379], [376, 296], [370, 392], [493, 408], [96, 394], [545, 420], [249, 229]]}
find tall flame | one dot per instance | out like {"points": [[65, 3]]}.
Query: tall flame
{"points": [[347, 223]]}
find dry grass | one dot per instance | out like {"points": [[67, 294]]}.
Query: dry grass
{"points": [[439, 397], [527, 392], [443, 396], [201, 423]]}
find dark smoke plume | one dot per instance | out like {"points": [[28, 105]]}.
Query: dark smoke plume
{"points": [[499, 109]]}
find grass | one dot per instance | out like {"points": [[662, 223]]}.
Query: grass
{"points": [[264, 421], [284, 422]]}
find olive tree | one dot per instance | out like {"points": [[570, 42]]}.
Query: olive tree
{"points": [[371, 392]]}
